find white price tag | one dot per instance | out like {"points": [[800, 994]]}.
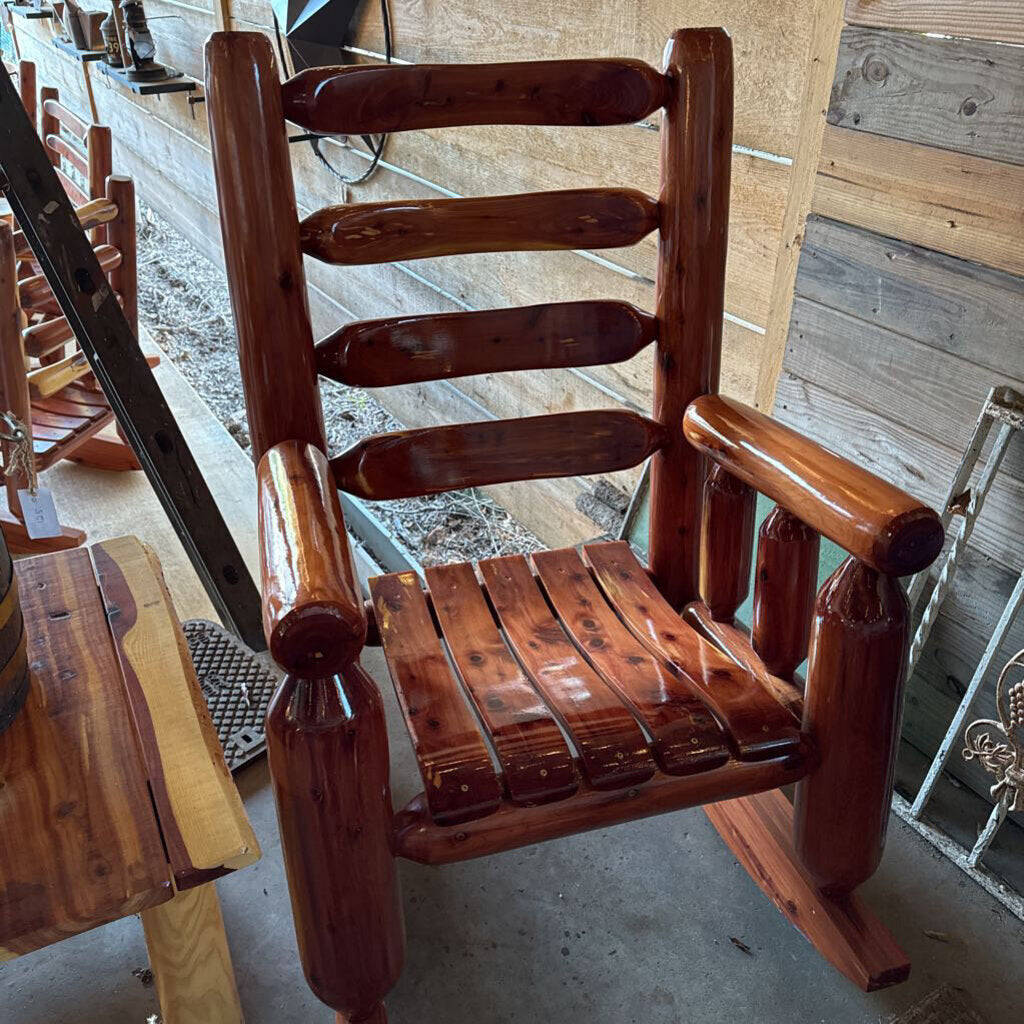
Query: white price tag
{"points": [[40, 513]]}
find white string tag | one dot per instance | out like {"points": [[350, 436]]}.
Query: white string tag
{"points": [[40, 513]]}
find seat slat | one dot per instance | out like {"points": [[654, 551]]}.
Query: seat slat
{"points": [[687, 738], [370, 99], [536, 760], [760, 726], [45, 432], [428, 460], [84, 396], [60, 405], [362, 233], [613, 749], [55, 419], [409, 349], [459, 779]]}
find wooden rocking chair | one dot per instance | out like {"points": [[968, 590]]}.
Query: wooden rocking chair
{"points": [[59, 396], [564, 692]]}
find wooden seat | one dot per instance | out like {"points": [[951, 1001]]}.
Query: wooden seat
{"points": [[569, 690], [566, 645]]}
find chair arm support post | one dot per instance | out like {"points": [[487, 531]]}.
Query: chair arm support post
{"points": [[877, 523], [852, 709], [313, 612]]}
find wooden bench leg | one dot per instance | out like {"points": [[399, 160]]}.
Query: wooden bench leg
{"points": [[188, 951], [328, 748]]}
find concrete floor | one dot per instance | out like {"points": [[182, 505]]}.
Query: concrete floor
{"points": [[624, 925]]}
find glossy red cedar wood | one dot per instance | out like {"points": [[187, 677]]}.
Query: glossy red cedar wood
{"points": [[598, 218], [696, 150], [13, 382], [121, 234], [372, 99], [852, 712], [760, 726], [785, 585], [312, 606], [727, 543], [407, 349], [874, 521], [428, 460], [458, 777], [328, 750], [419, 838], [260, 226], [35, 291], [536, 761], [687, 738], [613, 750], [733, 642], [759, 831]]}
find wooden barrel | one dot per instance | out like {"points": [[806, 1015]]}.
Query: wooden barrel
{"points": [[13, 657]]}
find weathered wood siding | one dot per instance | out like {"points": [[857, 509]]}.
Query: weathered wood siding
{"points": [[158, 141], [909, 296]]}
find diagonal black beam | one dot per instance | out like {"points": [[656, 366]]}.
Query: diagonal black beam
{"points": [[84, 295]]}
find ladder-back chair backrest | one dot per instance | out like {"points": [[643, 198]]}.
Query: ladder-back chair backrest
{"points": [[264, 243], [71, 143]]}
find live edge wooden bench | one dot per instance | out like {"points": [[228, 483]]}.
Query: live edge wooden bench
{"points": [[114, 795]]}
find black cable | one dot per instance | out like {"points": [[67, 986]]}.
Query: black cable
{"points": [[314, 140]]}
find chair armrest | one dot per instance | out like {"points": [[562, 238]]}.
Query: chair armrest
{"points": [[873, 520], [313, 612]]}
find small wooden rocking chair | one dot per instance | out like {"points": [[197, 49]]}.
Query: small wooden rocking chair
{"points": [[548, 696], [59, 397]]}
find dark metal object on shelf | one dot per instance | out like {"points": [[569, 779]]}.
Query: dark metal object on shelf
{"points": [[144, 66], [69, 264], [172, 81]]}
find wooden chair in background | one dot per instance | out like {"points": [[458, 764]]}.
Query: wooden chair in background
{"points": [[568, 691], [42, 383]]}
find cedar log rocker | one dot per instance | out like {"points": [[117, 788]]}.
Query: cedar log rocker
{"points": [[59, 396], [564, 692]]}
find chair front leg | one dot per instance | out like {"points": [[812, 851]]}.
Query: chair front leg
{"points": [[328, 750], [852, 710]]}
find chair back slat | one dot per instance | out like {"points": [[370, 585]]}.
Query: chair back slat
{"points": [[70, 122], [74, 156], [429, 460], [370, 99], [76, 194], [438, 346], [362, 233]]}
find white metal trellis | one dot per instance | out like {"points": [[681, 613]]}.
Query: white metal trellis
{"points": [[995, 745]]}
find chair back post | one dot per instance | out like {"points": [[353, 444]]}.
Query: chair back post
{"points": [[124, 278], [27, 88], [260, 227], [48, 123], [696, 150], [13, 380], [98, 151]]}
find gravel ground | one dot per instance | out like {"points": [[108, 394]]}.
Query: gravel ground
{"points": [[190, 319]]}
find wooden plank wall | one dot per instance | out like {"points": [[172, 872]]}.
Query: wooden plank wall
{"points": [[909, 297], [167, 149]]}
